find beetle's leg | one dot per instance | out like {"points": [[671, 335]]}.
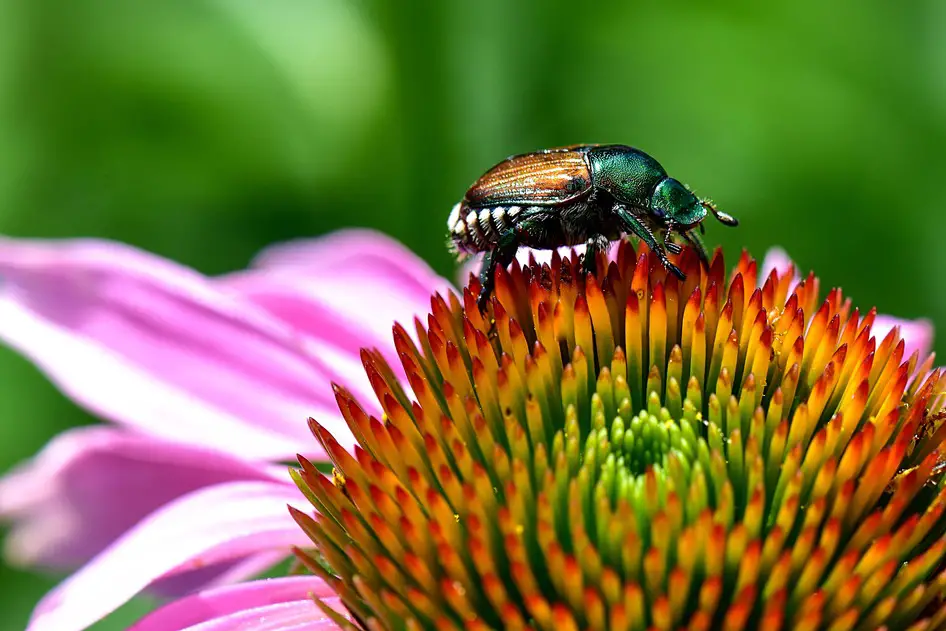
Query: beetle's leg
{"points": [[502, 254], [672, 247], [696, 241], [595, 244], [634, 225]]}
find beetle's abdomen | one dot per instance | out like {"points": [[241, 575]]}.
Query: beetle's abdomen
{"points": [[478, 229], [533, 179]]}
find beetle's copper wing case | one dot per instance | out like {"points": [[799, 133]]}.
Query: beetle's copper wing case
{"points": [[545, 178]]}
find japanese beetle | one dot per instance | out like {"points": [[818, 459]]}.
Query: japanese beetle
{"points": [[591, 194]]}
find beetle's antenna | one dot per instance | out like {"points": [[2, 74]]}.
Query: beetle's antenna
{"points": [[723, 218]]}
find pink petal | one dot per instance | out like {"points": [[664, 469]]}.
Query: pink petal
{"points": [[89, 485], [232, 603], [368, 278], [353, 250], [917, 334], [213, 525], [223, 573], [335, 335], [302, 615], [143, 341]]}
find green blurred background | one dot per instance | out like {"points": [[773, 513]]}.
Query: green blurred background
{"points": [[203, 130]]}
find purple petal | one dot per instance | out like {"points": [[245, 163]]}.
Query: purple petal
{"points": [[213, 525], [354, 251], [300, 615], [368, 278], [917, 334], [145, 342], [205, 577], [227, 604], [334, 334], [89, 485]]}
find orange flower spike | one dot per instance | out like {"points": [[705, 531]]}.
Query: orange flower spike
{"points": [[471, 311], [749, 347], [927, 521], [717, 269], [809, 290], [674, 304], [654, 573], [601, 318], [641, 281], [615, 289], [891, 397], [633, 331], [594, 610], [884, 357], [751, 270], [925, 367], [750, 317], [688, 552], [724, 330], [784, 282], [673, 399], [518, 347], [678, 586], [697, 359], [710, 595], [539, 291], [749, 565], [691, 310], [711, 310], [769, 288], [657, 332], [824, 350], [564, 325], [772, 553], [448, 319], [421, 418], [816, 331], [737, 298], [584, 336], [506, 292], [823, 389], [792, 345], [782, 316], [737, 616]]}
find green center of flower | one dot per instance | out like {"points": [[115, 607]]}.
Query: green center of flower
{"points": [[629, 451], [633, 445]]}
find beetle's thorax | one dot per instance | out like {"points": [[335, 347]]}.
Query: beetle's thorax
{"points": [[627, 174]]}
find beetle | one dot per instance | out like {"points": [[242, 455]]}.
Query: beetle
{"points": [[591, 194]]}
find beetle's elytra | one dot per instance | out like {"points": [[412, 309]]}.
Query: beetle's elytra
{"points": [[591, 194]]}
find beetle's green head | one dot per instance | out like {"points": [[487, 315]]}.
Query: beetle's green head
{"points": [[673, 203]]}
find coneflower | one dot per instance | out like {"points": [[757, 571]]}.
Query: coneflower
{"points": [[628, 451]]}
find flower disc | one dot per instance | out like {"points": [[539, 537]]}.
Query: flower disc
{"points": [[629, 451]]}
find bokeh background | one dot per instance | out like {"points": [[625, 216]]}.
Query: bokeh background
{"points": [[203, 130]]}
